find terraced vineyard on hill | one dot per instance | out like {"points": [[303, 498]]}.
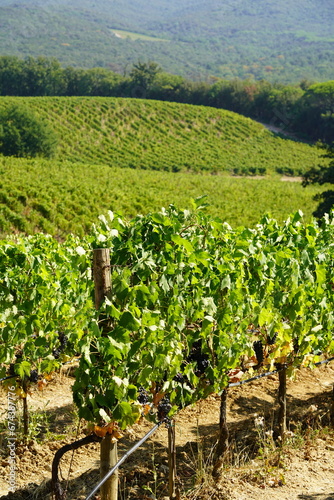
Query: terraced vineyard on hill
{"points": [[63, 197], [166, 136], [135, 156]]}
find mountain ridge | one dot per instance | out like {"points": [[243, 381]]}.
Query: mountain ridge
{"points": [[268, 39]]}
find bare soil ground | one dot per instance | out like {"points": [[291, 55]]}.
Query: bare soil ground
{"points": [[259, 469]]}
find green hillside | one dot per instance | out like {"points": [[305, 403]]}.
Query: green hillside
{"points": [[278, 40], [62, 197], [166, 136], [135, 156]]}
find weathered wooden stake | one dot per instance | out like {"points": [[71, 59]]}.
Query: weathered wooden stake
{"points": [[101, 275], [282, 402], [172, 461], [223, 445], [108, 449], [332, 409], [25, 408], [108, 458]]}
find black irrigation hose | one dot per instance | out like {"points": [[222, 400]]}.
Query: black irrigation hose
{"points": [[6, 378], [124, 457], [324, 361], [236, 384]]}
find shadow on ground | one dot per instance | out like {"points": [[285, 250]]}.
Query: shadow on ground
{"points": [[146, 471]]}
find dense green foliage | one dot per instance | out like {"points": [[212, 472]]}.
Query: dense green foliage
{"points": [[304, 109], [23, 134], [166, 136], [316, 112], [63, 197], [44, 295], [190, 296], [276, 40], [322, 174], [100, 138]]}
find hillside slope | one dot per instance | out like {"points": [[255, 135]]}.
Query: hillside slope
{"points": [[64, 197], [278, 39], [167, 136], [136, 156]]}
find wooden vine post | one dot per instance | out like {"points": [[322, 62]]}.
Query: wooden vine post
{"points": [[25, 408], [282, 401], [172, 461], [332, 409], [108, 447], [223, 445]]}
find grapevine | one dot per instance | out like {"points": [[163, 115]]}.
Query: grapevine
{"points": [[192, 300]]}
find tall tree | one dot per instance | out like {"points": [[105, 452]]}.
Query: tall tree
{"points": [[142, 78], [23, 134], [323, 174], [316, 113]]}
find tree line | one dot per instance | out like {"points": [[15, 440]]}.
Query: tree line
{"points": [[306, 108]]}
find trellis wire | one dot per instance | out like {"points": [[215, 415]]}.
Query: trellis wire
{"points": [[234, 384], [267, 374]]}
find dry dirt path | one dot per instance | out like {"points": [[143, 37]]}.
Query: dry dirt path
{"points": [[307, 472]]}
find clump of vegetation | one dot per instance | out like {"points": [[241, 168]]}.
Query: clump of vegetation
{"points": [[23, 134], [322, 174]]}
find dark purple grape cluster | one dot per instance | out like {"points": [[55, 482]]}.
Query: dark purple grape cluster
{"points": [[164, 408], [142, 396], [18, 357], [33, 376], [196, 354], [56, 353], [179, 378], [272, 339], [63, 339], [258, 349]]}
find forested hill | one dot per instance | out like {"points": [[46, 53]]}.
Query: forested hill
{"points": [[278, 40]]}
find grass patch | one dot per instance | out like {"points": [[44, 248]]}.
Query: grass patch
{"points": [[137, 36]]}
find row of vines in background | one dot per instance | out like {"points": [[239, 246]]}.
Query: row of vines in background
{"points": [[65, 197], [304, 108], [191, 300], [164, 136]]}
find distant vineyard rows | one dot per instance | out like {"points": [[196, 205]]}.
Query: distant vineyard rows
{"points": [[62, 197], [156, 135]]}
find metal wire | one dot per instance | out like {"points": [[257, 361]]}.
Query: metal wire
{"points": [[236, 384]]}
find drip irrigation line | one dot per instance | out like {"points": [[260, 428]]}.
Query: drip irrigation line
{"points": [[6, 378], [124, 457], [324, 361], [236, 384]]}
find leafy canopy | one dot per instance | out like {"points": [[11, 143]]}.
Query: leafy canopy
{"points": [[23, 134], [322, 174]]}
